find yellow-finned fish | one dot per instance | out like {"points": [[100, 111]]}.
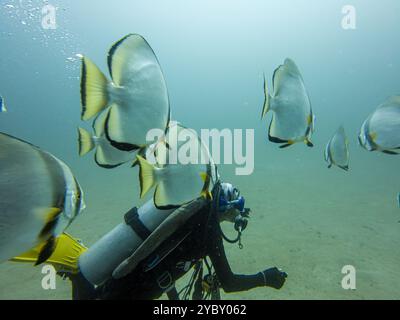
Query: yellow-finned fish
{"points": [[182, 171], [381, 130], [106, 156], [40, 197], [337, 150], [137, 95], [293, 119]]}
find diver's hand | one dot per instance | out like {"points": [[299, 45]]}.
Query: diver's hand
{"points": [[274, 277]]}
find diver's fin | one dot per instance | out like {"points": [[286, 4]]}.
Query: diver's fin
{"points": [[46, 251], [346, 168], [330, 166], [267, 99], [146, 175], [94, 95], [85, 142], [64, 258]]}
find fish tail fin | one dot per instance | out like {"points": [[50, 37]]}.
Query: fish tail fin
{"points": [[46, 251], [147, 177], [94, 92], [205, 193], [85, 141], [267, 100]]}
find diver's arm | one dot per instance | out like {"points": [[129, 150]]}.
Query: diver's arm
{"points": [[231, 282]]}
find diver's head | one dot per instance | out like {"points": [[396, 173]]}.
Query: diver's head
{"points": [[231, 206]]}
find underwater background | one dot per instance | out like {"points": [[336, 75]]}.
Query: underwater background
{"points": [[306, 219]]}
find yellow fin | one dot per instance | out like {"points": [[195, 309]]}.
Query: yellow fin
{"points": [[64, 258], [94, 95], [85, 142], [206, 195], [203, 176], [146, 175], [309, 119]]}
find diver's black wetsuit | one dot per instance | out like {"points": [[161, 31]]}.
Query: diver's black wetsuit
{"points": [[200, 237]]}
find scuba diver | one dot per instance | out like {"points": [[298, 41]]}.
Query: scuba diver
{"points": [[157, 251]]}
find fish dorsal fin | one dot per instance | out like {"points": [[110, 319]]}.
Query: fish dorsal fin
{"points": [[393, 100], [276, 80], [131, 49], [291, 67], [287, 69]]}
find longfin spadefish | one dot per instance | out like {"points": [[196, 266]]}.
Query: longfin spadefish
{"points": [[373, 136], [94, 93], [146, 175], [85, 142]]}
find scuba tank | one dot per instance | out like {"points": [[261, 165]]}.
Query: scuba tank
{"points": [[98, 262]]}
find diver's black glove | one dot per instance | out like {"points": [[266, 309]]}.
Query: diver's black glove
{"points": [[274, 277]]}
